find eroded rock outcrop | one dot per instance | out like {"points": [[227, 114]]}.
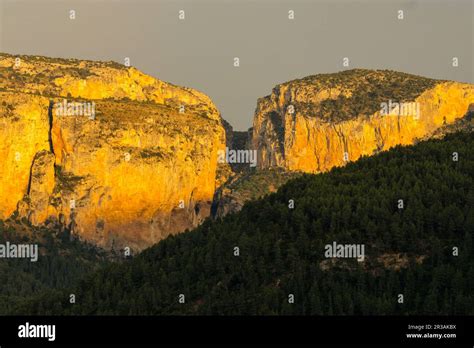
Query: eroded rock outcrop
{"points": [[323, 121], [142, 168]]}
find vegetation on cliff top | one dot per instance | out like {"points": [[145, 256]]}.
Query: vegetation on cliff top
{"points": [[63, 61], [359, 92]]}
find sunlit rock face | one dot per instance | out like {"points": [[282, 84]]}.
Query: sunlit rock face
{"points": [[24, 128], [139, 167], [323, 121]]}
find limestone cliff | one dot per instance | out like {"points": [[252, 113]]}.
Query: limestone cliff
{"points": [[322, 121], [143, 167]]}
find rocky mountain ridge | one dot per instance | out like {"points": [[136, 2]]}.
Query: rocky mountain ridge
{"points": [[319, 122], [145, 164], [143, 168]]}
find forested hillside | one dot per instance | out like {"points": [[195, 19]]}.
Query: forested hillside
{"points": [[409, 248], [61, 262]]}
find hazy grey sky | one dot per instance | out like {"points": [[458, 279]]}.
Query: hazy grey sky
{"points": [[198, 52]]}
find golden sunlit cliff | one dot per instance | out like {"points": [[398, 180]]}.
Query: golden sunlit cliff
{"points": [[143, 166], [121, 159], [323, 121]]}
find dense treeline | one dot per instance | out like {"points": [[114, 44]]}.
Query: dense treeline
{"points": [[62, 261], [281, 250]]}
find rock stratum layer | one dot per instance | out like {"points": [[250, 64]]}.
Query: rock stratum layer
{"points": [[323, 121], [143, 168]]}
